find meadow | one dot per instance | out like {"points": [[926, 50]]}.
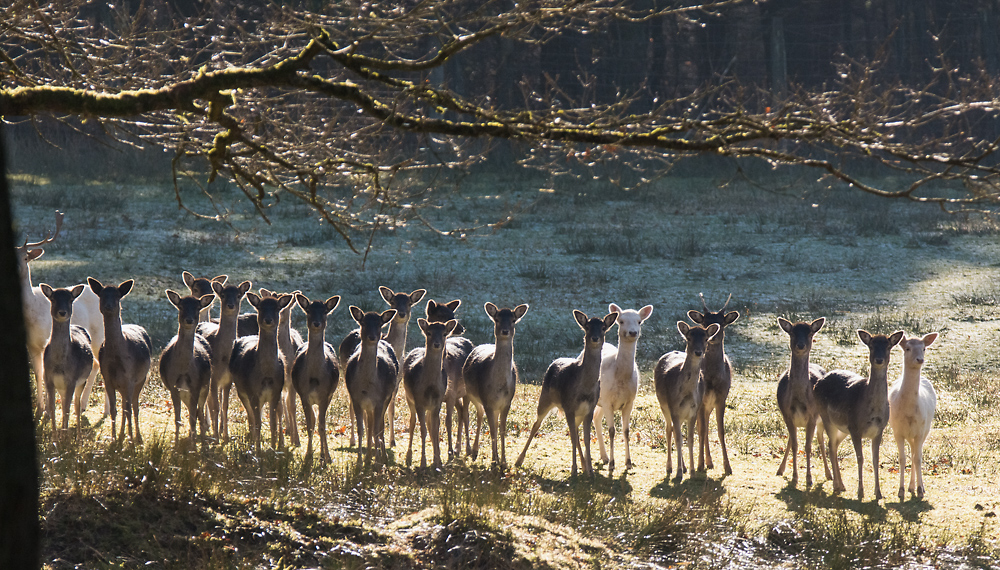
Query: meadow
{"points": [[781, 245]]}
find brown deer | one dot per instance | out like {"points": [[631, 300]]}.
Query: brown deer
{"points": [[851, 404], [289, 343], [425, 381], [125, 356], [403, 303], [67, 357], [491, 377], [795, 396], [316, 370], [258, 368], [221, 337], [680, 388], [717, 372], [370, 376], [573, 386], [457, 352], [201, 286], [186, 363]]}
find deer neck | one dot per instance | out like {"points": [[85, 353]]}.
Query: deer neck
{"points": [[226, 334], [113, 335], [434, 361], [715, 352], [503, 355], [205, 315], [285, 331], [368, 359], [316, 344], [911, 377], [59, 338], [396, 336], [691, 368], [591, 363], [798, 370], [185, 338], [878, 382], [625, 359], [267, 345]]}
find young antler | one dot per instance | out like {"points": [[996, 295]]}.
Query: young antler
{"points": [[49, 236]]}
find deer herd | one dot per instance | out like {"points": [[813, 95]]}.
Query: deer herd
{"points": [[75, 332]]}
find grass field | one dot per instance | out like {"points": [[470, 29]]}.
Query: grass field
{"points": [[792, 248]]}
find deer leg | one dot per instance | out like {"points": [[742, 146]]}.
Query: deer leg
{"points": [[479, 427], [423, 440], [448, 410], [436, 434], [412, 425], [391, 414], [700, 422], [290, 411], [917, 470], [626, 431], [466, 420], [901, 448], [503, 436], [310, 416], [720, 414], [588, 420], [810, 428], [876, 447], [49, 393], [324, 447], [531, 435], [598, 416], [91, 379], [859, 452], [791, 448]]}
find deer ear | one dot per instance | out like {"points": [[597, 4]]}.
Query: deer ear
{"points": [[34, 254], [332, 303], [95, 285], [519, 311], [78, 290], [423, 324], [388, 315], [302, 301], [817, 324], [220, 279], [245, 286], [46, 290], [712, 330], [454, 305], [491, 309], [731, 317], [449, 327], [929, 338], [206, 300], [284, 301], [417, 295], [609, 320], [253, 298], [645, 312], [581, 319], [174, 297], [895, 338], [865, 336], [696, 317], [386, 293], [125, 287], [683, 328], [613, 308], [188, 278], [785, 325], [429, 307], [357, 313], [217, 287]]}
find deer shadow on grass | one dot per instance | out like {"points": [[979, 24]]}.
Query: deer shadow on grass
{"points": [[598, 483], [700, 486], [819, 496]]}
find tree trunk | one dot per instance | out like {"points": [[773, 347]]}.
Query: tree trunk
{"points": [[19, 533]]}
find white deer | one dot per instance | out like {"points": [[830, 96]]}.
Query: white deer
{"points": [[38, 321], [619, 380], [912, 402]]}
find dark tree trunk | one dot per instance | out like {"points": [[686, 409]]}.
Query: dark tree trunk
{"points": [[19, 533]]}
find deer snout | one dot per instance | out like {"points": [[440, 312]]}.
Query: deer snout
{"points": [[878, 361], [62, 314], [189, 321]]}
